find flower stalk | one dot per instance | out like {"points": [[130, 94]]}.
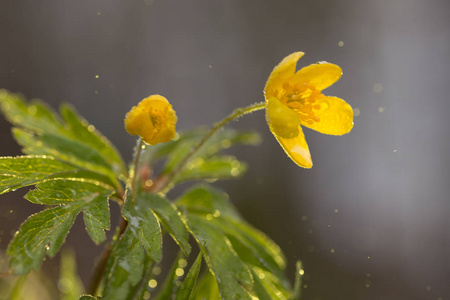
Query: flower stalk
{"points": [[165, 183]]}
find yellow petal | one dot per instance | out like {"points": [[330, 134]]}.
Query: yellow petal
{"points": [[321, 75], [281, 73], [336, 116], [296, 148], [282, 120]]}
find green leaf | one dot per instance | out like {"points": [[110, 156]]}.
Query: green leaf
{"points": [[144, 226], [206, 288], [217, 167], [187, 287], [169, 216], [81, 130], [254, 247], [233, 277], [43, 233], [177, 149], [40, 234], [234, 247], [20, 171], [69, 283], [125, 267], [65, 191], [167, 288], [298, 282], [204, 199], [40, 131], [36, 116], [64, 149], [88, 297]]}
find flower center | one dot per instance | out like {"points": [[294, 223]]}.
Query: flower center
{"points": [[302, 98], [157, 118]]}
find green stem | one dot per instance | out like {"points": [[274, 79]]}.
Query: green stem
{"points": [[237, 113], [135, 164], [101, 266]]}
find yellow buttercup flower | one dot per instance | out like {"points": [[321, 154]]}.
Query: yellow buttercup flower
{"points": [[295, 99], [154, 120]]}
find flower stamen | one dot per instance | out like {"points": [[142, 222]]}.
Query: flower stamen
{"points": [[301, 97]]}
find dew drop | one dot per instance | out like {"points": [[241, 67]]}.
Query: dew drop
{"points": [[32, 110], [152, 283], [156, 270], [182, 263], [179, 272]]}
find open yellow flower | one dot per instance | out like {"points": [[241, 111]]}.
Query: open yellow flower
{"points": [[295, 99], [154, 120]]}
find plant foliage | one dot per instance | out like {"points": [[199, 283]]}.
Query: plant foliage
{"points": [[75, 170]]}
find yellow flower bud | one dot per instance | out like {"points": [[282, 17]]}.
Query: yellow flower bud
{"points": [[153, 119]]}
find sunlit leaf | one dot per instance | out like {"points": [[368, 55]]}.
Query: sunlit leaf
{"points": [[80, 129], [72, 139], [145, 227], [69, 283], [169, 217], [64, 149], [217, 167], [233, 277], [187, 287], [35, 116], [141, 239], [206, 288], [20, 171], [126, 267], [88, 297], [43, 233], [177, 149], [168, 287], [235, 251]]}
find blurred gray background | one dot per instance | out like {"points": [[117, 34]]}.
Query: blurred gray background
{"points": [[370, 220]]}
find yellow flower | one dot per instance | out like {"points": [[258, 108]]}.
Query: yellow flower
{"points": [[295, 99], [153, 120]]}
